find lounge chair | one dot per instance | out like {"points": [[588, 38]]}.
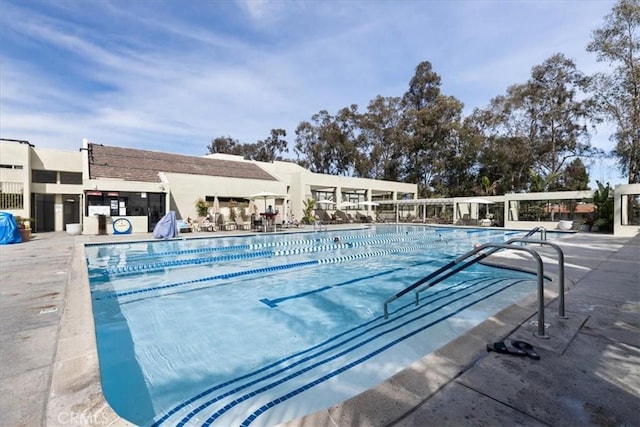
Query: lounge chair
{"points": [[343, 216], [183, 226], [241, 224], [206, 225], [225, 225]]}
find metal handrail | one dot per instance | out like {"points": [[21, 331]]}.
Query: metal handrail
{"points": [[318, 223], [476, 251], [542, 230], [560, 267]]}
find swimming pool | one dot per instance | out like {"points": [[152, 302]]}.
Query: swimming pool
{"points": [[262, 329]]}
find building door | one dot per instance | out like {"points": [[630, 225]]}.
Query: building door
{"points": [[155, 209], [70, 209], [43, 212]]}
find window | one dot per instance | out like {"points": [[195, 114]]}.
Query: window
{"points": [[70, 178], [134, 204], [44, 177], [11, 195], [551, 210], [630, 212]]}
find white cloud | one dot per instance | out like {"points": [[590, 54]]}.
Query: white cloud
{"points": [[151, 76]]}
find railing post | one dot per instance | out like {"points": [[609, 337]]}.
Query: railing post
{"points": [[561, 286]]}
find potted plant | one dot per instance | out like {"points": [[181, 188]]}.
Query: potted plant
{"points": [[309, 206], [202, 207], [24, 225]]}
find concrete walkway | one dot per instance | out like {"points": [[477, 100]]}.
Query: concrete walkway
{"points": [[589, 372]]}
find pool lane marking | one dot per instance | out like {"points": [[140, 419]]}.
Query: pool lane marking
{"points": [[330, 375], [265, 270], [274, 302], [323, 344], [143, 268], [289, 395], [279, 243], [384, 323]]}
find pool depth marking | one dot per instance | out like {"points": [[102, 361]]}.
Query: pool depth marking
{"points": [[274, 302], [356, 346], [434, 297], [326, 377]]}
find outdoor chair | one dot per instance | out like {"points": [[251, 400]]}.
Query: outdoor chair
{"points": [[241, 224], [183, 226], [343, 217], [206, 225], [225, 225]]}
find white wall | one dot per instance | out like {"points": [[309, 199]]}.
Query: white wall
{"points": [[620, 220]]}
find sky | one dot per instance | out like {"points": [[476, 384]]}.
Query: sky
{"points": [[172, 75]]}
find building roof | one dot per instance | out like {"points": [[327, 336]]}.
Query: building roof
{"points": [[141, 165]]}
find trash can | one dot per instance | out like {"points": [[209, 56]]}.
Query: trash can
{"points": [[102, 225]]}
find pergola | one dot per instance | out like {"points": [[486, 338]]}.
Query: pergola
{"points": [[417, 202]]}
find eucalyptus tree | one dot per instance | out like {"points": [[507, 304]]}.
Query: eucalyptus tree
{"points": [[224, 144], [504, 157], [456, 155], [329, 144], [271, 148], [542, 124], [265, 151], [617, 42], [460, 174], [382, 147], [574, 177], [433, 120], [553, 102]]}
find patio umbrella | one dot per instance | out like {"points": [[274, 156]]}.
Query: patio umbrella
{"points": [[368, 203], [326, 202], [266, 195], [216, 205], [348, 205]]}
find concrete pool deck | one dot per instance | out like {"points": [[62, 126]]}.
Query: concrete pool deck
{"points": [[589, 372]]}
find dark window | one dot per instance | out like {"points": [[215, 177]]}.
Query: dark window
{"points": [[136, 204], [70, 178], [44, 177]]}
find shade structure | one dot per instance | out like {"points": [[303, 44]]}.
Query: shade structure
{"points": [[480, 201], [264, 195]]}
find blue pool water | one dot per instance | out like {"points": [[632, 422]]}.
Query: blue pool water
{"points": [[262, 329]]}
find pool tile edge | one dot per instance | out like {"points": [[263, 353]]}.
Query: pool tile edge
{"points": [[75, 395]]}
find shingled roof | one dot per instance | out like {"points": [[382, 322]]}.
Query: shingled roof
{"points": [[141, 165]]}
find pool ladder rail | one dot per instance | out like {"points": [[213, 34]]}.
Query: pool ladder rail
{"points": [[481, 252], [318, 225], [542, 230]]}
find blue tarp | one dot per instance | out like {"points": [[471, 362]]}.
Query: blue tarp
{"points": [[166, 228], [9, 232]]}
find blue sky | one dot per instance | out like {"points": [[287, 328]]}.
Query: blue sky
{"points": [[172, 75]]}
